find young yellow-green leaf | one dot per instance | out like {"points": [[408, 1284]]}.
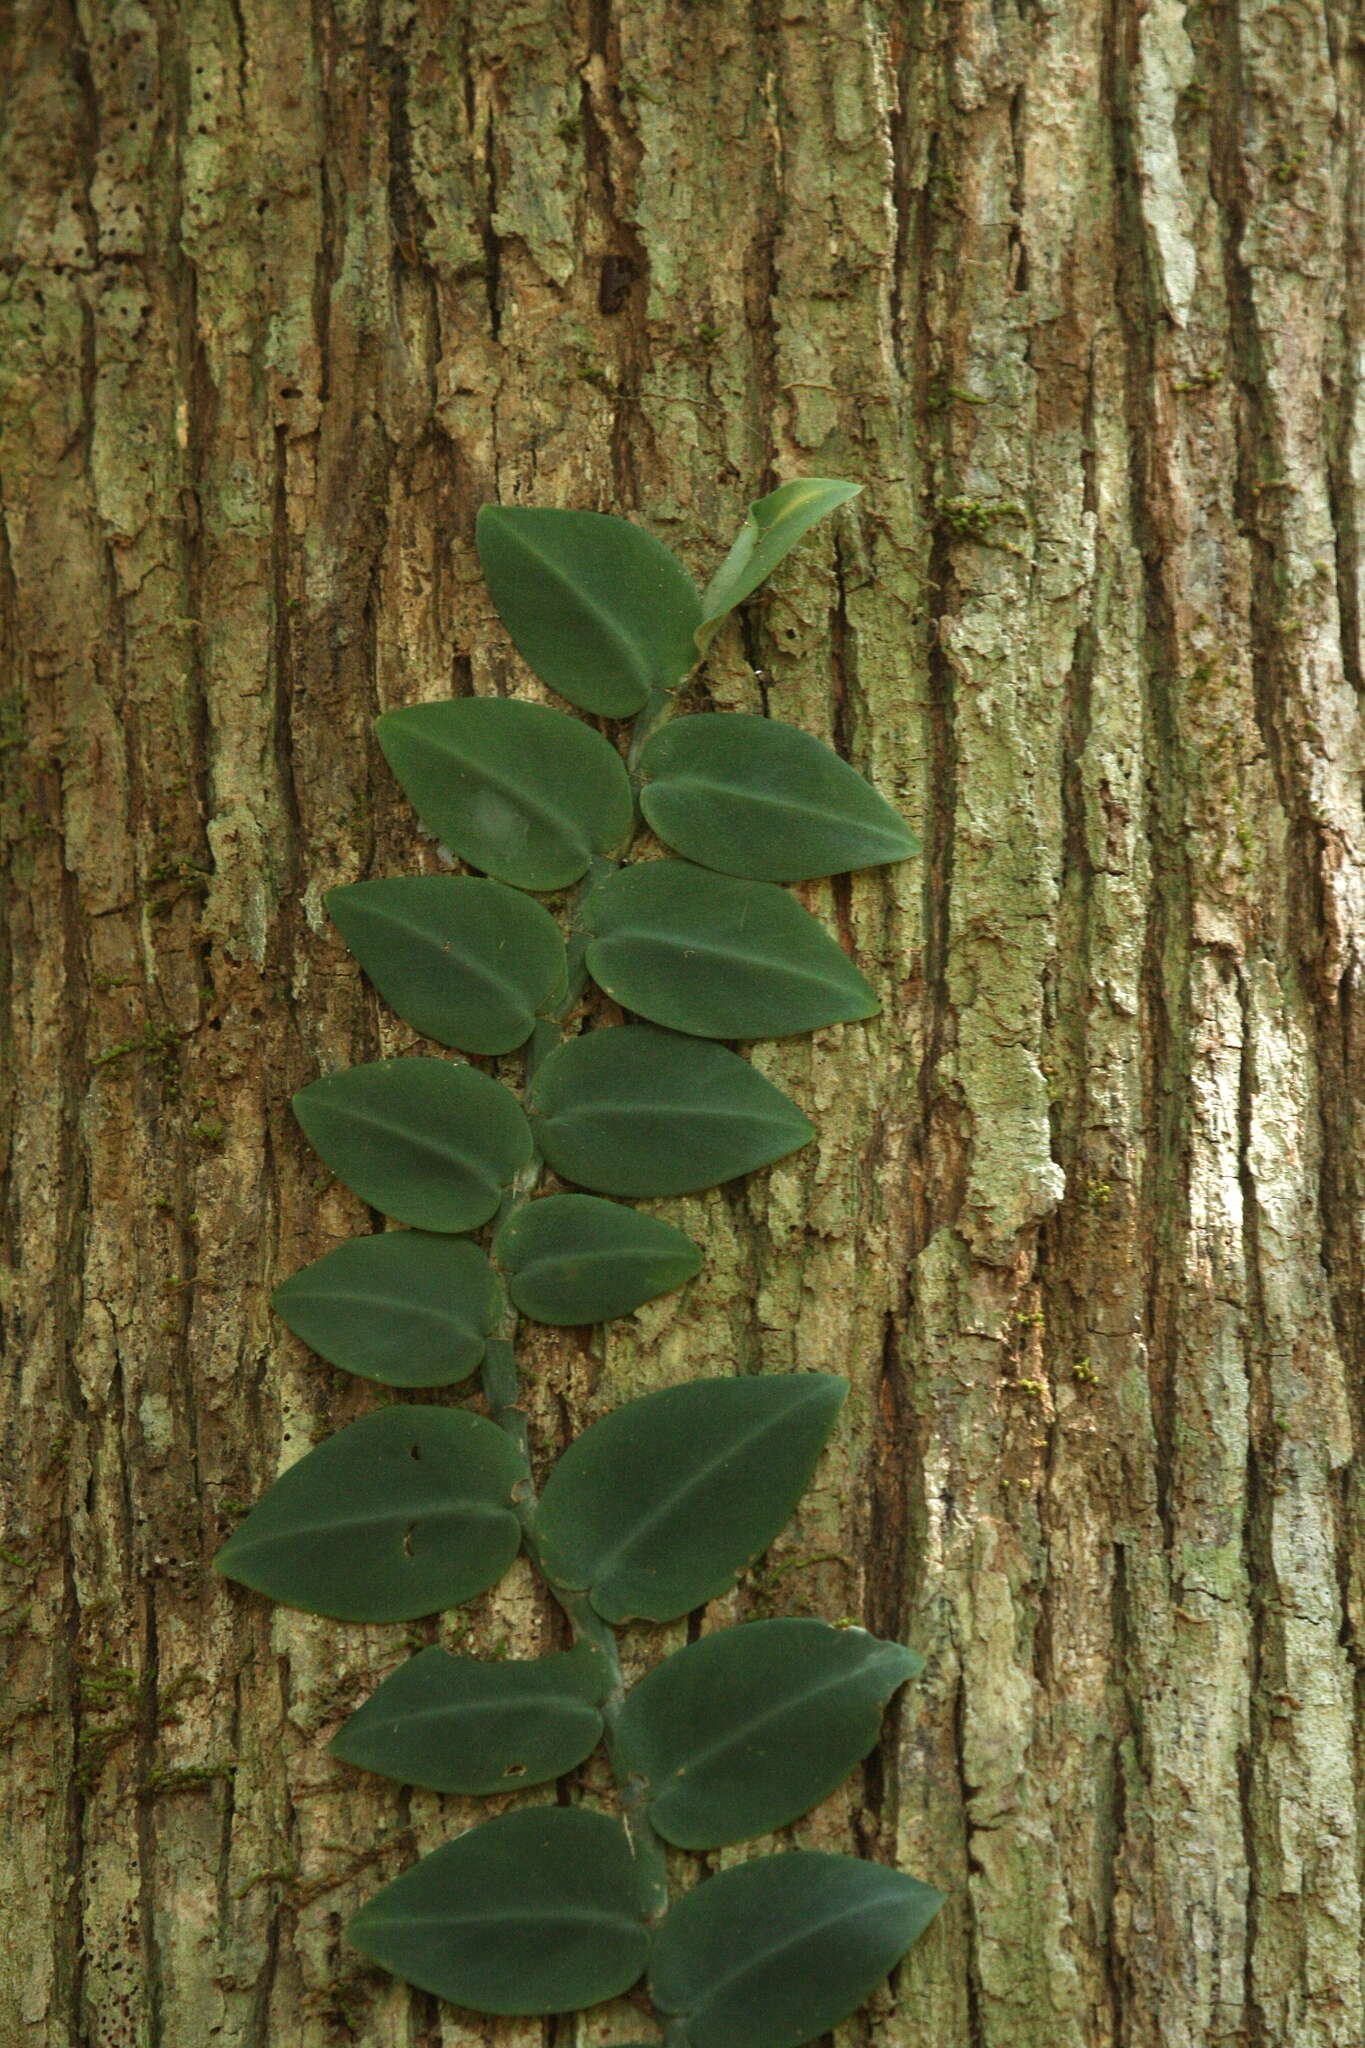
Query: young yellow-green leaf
{"points": [[469, 963], [757, 798], [641, 1112], [778, 1950], [533, 1912], [774, 525], [400, 1514], [525, 793], [599, 609], [427, 1142], [660, 1505], [456, 1725], [403, 1307], [744, 1730], [574, 1259], [717, 957]]}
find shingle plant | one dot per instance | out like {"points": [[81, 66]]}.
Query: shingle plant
{"points": [[659, 1505]]}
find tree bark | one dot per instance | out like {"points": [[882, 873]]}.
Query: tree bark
{"points": [[1075, 289]]}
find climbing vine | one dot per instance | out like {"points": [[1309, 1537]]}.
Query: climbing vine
{"points": [[659, 1505]]}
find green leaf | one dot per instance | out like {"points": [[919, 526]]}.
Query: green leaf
{"points": [[402, 1307], [599, 609], [572, 1259], [716, 957], [660, 1505], [400, 1514], [778, 1950], [746, 1729], [466, 962], [525, 793], [774, 526], [640, 1112], [456, 1725], [757, 798], [423, 1140], [533, 1912]]}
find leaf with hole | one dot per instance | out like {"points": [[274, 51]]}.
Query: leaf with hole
{"points": [[454, 1724], [533, 1912], [660, 1505], [741, 1732], [641, 1112], [424, 1141], [717, 957], [775, 1952], [525, 793], [574, 1259], [757, 798], [599, 609], [773, 527], [400, 1514], [403, 1307], [467, 962]]}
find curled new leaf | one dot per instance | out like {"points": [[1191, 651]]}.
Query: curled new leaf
{"points": [[402, 1513], [717, 957], [757, 798], [599, 609], [774, 525], [454, 1724], [467, 962], [660, 1505], [778, 1950], [525, 793], [403, 1307], [746, 1729], [640, 1112], [573, 1259], [427, 1142], [533, 1912]]}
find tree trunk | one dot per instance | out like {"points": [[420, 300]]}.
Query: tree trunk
{"points": [[1076, 291]]}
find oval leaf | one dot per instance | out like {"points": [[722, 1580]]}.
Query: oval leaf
{"points": [[660, 1505], [403, 1307], [521, 791], [533, 1912], [745, 1729], [778, 1950], [717, 957], [757, 798], [468, 963], [635, 1111], [774, 526], [572, 1259], [423, 1140], [456, 1725], [402, 1513], [600, 610]]}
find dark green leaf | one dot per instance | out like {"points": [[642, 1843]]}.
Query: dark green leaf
{"points": [[774, 526], [423, 1140], [754, 797], [456, 1725], [403, 1307], [599, 609], [466, 962], [533, 1912], [776, 1951], [521, 791], [400, 1514], [719, 958], [635, 1111], [661, 1504], [573, 1259], [745, 1729]]}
